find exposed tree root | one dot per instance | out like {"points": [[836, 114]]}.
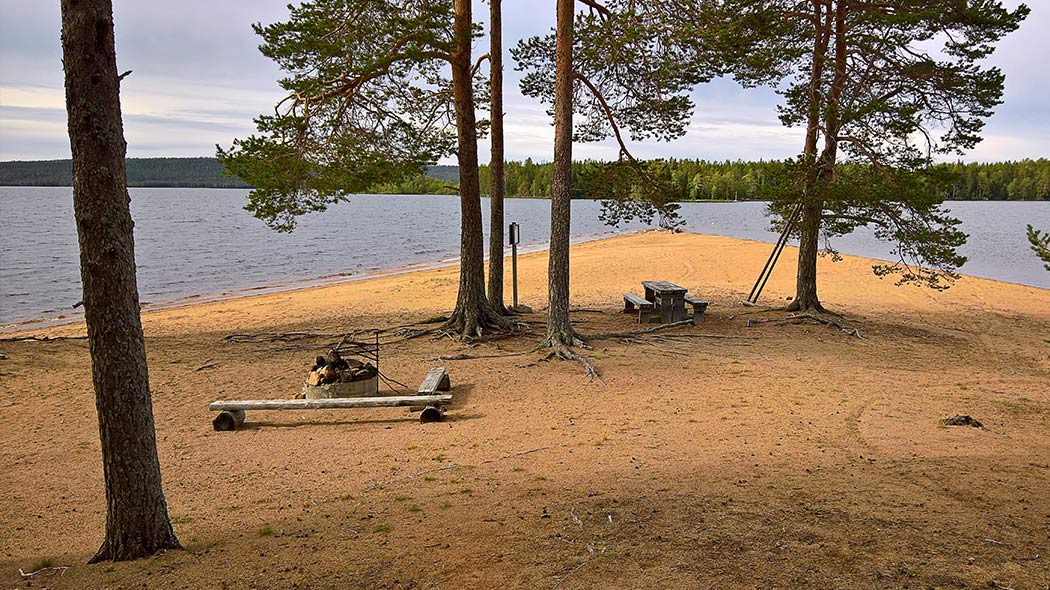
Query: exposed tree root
{"points": [[561, 352], [796, 307], [473, 324], [801, 318]]}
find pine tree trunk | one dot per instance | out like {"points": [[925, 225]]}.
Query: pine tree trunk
{"points": [[496, 162], [473, 311], [809, 240], [559, 329], [137, 523], [824, 167], [812, 208]]}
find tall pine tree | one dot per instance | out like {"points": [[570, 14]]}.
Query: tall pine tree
{"points": [[368, 103], [137, 523], [619, 67], [889, 86]]}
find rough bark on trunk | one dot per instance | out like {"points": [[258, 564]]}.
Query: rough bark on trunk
{"points": [[496, 162], [137, 523], [806, 280], [473, 311], [559, 329]]}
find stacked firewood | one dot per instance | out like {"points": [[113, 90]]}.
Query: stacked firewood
{"points": [[335, 369]]}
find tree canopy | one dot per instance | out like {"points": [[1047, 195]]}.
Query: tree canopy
{"points": [[367, 103], [887, 87]]}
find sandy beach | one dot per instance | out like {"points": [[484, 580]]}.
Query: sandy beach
{"points": [[716, 456]]}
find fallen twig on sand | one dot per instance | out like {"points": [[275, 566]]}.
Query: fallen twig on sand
{"points": [[208, 364], [609, 335], [470, 357], [514, 455], [55, 568], [592, 556], [713, 336], [569, 575], [380, 486]]}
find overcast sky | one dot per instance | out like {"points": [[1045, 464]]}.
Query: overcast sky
{"points": [[199, 79]]}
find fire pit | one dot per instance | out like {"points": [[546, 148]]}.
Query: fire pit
{"points": [[339, 374]]}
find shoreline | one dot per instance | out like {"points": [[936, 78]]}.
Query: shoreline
{"points": [[77, 317], [312, 294]]}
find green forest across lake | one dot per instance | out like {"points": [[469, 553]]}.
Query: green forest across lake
{"points": [[1024, 180]]}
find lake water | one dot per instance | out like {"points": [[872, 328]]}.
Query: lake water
{"points": [[200, 242]]}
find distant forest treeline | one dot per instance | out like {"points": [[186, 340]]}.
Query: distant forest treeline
{"points": [[1025, 180], [174, 172]]}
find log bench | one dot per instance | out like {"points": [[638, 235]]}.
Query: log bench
{"points": [[428, 402], [699, 308]]}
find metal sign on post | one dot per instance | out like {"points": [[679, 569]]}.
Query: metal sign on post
{"points": [[515, 239]]}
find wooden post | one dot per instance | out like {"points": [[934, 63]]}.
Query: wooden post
{"points": [[514, 239]]}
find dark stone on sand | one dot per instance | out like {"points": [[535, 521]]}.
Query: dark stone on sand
{"points": [[962, 420]]}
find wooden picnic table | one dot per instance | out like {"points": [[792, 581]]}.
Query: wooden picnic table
{"points": [[668, 298], [664, 302]]}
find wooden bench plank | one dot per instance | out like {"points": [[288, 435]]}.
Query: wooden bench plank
{"points": [[436, 380], [699, 308], [631, 300], [695, 301], [330, 403]]}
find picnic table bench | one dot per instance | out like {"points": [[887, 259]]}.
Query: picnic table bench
{"points": [[428, 402], [665, 303]]}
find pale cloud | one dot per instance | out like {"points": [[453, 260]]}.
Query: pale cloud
{"points": [[199, 80]]}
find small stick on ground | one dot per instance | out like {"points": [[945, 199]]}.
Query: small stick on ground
{"points": [[610, 335], [514, 455], [570, 574], [380, 486], [470, 357], [54, 568], [208, 364]]}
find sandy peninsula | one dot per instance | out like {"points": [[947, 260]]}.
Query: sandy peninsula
{"points": [[717, 456]]}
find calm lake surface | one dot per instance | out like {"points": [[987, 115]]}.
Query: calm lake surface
{"points": [[201, 243]]}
